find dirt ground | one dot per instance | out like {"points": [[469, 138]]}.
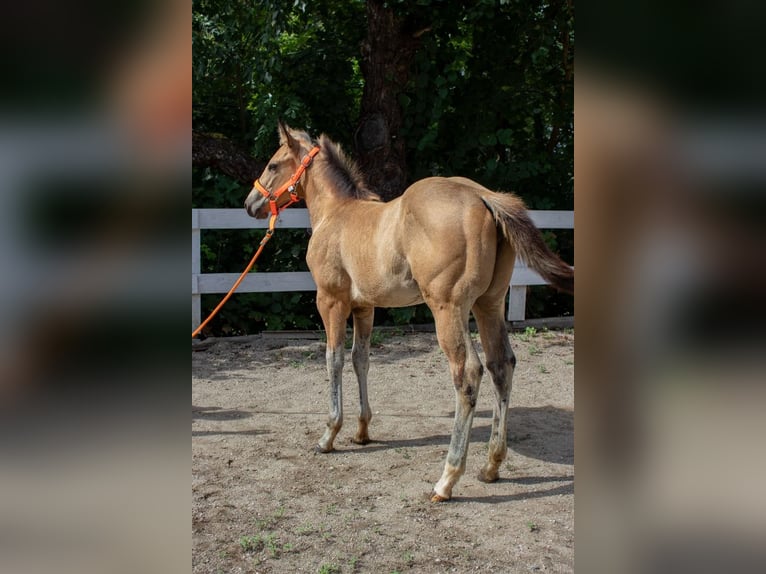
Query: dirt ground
{"points": [[263, 501]]}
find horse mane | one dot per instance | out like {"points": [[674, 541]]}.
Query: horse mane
{"points": [[343, 172]]}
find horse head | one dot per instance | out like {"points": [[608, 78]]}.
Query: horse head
{"points": [[279, 185]]}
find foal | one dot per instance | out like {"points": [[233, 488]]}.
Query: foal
{"points": [[448, 242]]}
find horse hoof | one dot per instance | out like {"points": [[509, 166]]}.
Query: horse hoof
{"points": [[318, 449], [488, 476], [365, 440], [438, 498]]}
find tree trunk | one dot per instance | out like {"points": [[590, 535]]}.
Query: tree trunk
{"points": [[216, 151], [387, 55]]}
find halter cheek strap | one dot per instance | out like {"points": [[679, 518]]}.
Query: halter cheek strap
{"points": [[287, 187]]}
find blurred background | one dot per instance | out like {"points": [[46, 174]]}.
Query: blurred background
{"points": [[670, 171], [95, 148]]}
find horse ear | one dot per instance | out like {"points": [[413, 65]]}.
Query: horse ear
{"points": [[286, 138], [283, 131]]}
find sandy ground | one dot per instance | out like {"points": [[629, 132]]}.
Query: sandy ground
{"points": [[263, 501]]}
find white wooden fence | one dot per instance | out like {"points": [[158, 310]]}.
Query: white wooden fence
{"points": [[203, 283]]}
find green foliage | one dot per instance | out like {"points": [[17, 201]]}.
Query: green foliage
{"points": [[406, 315], [258, 62], [491, 99], [213, 189], [250, 543], [528, 333]]}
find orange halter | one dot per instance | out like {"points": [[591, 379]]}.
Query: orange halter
{"points": [[288, 187]]}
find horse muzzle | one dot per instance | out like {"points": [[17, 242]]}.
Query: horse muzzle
{"points": [[257, 205]]}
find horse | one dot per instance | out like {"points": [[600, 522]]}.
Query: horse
{"points": [[446, 241]]}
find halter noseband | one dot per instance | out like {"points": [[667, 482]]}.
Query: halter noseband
{"points": [[288, 187]]}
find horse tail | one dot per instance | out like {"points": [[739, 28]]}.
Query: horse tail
{"points": [[514, 222]]}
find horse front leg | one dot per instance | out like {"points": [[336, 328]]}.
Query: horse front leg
{"points": [[360, 357], [334, 313]]}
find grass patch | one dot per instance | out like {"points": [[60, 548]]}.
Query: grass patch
{"points": [[269, 542], [305, 529], [528, 333], [270, 522], [272, 544], [250, 543]]}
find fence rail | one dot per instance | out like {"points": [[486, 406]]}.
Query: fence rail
{"points": [[207, 283]]}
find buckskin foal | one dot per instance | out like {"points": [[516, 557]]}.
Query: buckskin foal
{"points": [[448, 242]]}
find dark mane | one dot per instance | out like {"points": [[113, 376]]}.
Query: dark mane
{"points": [[343, 172]]}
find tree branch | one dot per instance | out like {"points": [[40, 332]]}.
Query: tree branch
{"points": [[216, 151]]}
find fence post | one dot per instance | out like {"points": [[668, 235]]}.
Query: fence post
{"points": [[517, 303], [196, 270]]}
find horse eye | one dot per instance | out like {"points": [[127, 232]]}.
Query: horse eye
{"points": [[273, 167]]}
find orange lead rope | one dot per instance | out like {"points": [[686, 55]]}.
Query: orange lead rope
{"points": [[264, 241], [275, 211]]}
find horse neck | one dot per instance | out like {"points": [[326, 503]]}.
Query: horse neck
{"points": [[321, 199]]}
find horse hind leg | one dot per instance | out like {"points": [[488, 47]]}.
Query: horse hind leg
{"points": [[501, 362], [360, 357], [466, 370]]}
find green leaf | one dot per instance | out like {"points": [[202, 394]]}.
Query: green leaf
{"points": [[505, 136]]}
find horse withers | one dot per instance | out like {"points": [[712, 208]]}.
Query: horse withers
{"points": [[448, 242]]}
